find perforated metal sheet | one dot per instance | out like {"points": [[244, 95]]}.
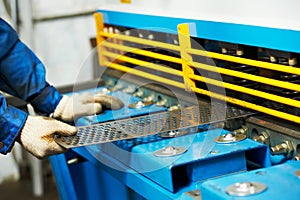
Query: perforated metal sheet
{"points": [[148, 125]]}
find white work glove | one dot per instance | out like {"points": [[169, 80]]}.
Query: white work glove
{"points": [[70, 108], [37, 135]]}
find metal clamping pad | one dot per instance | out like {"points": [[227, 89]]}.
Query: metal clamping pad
{"points": [[148, 125]]}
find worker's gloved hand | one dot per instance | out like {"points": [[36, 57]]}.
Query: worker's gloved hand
{"points": [[37, 135], [70, 108]]}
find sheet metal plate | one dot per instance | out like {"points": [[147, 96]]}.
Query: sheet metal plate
{"points": [[148, 125]]}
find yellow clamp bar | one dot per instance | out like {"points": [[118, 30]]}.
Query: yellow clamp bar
{"points": [[184, 44], [256, 63], [144, 74], [250, 91], [99, 28], [141, 41], [264, 80], [143, 52], [143, 63], [252, 106]]}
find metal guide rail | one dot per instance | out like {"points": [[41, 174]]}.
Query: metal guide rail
{"points": [[129, 128]]}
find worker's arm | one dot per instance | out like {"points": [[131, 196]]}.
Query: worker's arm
{"points": [[22, 74]]}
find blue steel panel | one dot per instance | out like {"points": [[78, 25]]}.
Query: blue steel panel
{"points": [[281, 181], [231, 163], [138, 155], [198, 153], [92, 183], [86, 180], [144, 183], [63, 177], [126, 167], [136, 181], [273, 38]]}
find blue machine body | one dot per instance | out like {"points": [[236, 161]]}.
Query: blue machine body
{"points": [[279, 179], [197, 164], [150, 177], [129, 170]]}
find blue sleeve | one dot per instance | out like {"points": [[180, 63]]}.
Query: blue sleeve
{"points": [[11, 122], [22, 75]]}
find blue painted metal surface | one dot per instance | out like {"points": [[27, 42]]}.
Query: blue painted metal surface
{"points": [[86, 180], [89, 173], [63, 177], [197, 164], [129, 177], [273, 38], [281, 182], [130, 167]]}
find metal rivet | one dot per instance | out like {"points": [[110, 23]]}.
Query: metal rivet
{"points": [[172, 133], [72, 161], [140, 104], [170, 151], [149, 98], [169, 134], [105, 91], [297, 158], [260, 172], [174, 107], [163, 102], [213, 152], [230, 137], [245, 188], [194, 194]]}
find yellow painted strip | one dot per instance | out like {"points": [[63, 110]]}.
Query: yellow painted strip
{"points": [[250, 91], [268, 81], [256, 63], [141, 41], [99, 28], [126, 1], [144, 74], [143, 52], [143, 63], [185, 43], [252, 106]]}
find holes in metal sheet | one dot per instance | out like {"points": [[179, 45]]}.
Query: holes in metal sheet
{"points": [[145, 125]]}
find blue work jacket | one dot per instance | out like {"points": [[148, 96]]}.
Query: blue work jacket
{"points": [[22, 75]]}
